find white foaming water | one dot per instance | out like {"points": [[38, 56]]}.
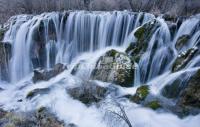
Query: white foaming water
{"points": [[51, 38]]}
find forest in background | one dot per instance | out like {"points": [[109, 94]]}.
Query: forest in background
{"points": [[9, 8]]}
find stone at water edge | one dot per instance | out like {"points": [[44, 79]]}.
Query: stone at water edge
{"points": [[89, 92], [190, 96], [45, 75], [187, 95], [115, 67]]}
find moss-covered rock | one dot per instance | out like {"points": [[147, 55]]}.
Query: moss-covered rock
{"points": [[183, 59], [5, 55], [190, 96], [115, 67], [173, 89], [182, 41], [89, 92], [143, 35], [154, 105], [141, 94], [36, 92]]}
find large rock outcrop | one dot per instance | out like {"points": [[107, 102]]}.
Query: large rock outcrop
{"points": [[115, 67], [190, 96], [186, 94]]}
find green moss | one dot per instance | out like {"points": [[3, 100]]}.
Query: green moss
{"points": [[112, 53], [140, 32], [30, 94], [141, 94], [143, 91], [154, 105]]}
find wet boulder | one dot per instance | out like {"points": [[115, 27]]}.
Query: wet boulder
{"points": [[182, 41], [184, 58], [186, 93], [45, 75], [5, 55], [115, 67], [173, 89], [89, 92], [190, 96], [143, 35]]}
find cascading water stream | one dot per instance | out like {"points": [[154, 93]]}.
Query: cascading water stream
{"points": [[45, 40], [66, 38]]}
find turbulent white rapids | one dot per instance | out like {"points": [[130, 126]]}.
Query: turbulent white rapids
{"points": [[50, 38]]}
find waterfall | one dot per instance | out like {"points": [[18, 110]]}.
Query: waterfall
{"points": [[73, 37], [50, 38]]}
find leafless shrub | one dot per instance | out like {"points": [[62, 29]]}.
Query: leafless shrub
{"points": [[116, 112], [176, 7]]}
